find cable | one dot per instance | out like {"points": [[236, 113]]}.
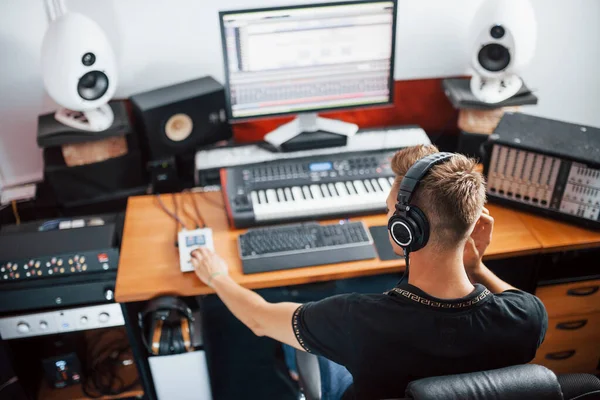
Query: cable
{"points": [[176, 211], [200, 222], [169, 213], [406, 271], [16, 212], [9, 382], [101, 376]]}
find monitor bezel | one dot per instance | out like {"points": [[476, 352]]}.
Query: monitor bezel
{"points": [[388, 102]]}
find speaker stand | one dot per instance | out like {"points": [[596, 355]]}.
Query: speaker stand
{"points": [[309, 123], [495, 90], [96, 120]]}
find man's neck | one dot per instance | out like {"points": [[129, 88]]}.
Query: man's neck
{"points": [[440, 274]]}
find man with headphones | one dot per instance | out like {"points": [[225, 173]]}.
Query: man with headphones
{"points": [[449, 313]]}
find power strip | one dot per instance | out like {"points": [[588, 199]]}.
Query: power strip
{"points": [[189, 241]]}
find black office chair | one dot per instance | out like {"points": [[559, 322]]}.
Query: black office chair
{"points": [[517, 382]]}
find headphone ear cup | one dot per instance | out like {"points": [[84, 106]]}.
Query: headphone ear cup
{"points": [[177, 340], [165, 341], [152, 336], [399, 230], [419, 221]]}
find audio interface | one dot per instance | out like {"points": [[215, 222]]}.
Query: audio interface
{"points": [[61, 321]]}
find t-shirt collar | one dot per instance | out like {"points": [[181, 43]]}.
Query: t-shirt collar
{"points": [[414, 294]]}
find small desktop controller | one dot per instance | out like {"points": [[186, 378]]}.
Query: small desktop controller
{"points": [[189, 241]]}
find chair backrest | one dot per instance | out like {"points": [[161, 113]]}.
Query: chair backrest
{"points": [[579, 386], [517, 382]]}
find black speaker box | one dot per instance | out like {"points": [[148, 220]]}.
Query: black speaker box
{"points": [[470, 144], [95, 182], [179, 119]]}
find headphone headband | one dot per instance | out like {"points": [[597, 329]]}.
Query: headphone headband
{"points": [[159, 337], [413, 177], [167, 303], [408, 226]]}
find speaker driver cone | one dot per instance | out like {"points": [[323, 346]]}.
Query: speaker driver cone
{"points": [[494, 57], [179, 127], [92, 85]]}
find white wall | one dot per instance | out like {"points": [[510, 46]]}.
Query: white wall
{"points": [[160, 42]]}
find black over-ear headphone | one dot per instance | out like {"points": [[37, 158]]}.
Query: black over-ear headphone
{"points": [[167, 326], [409, 226]]}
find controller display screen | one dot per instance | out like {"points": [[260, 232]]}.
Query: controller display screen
{"points": [[320, 166], [198, 240]]}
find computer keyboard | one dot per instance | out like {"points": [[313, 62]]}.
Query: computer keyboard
{"points": [[302, 245]]}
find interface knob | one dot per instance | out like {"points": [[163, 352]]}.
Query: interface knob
{"points": [[23, 327], [103, 317]]}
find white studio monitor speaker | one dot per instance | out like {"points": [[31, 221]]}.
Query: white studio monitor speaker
{"points": [[502, 40], [79, 71]]}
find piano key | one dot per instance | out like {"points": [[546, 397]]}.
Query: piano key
{"points": [[350, 188], [368, 186], [391, 181], [324, 190], [360, 188], [288, 194], [341, 189], [375, 185], [315, 190], [297, 193], [332, 190], [254, 197], [281, 195], [385, 185], [271, 196], [306, 192], [262, 197]]}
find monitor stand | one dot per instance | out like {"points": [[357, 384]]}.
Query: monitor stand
{"points": [[310, 122]]}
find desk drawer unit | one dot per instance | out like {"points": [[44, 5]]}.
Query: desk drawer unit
{"points": [[571, 298], [572, 341], [569, 330], [569, 358]]}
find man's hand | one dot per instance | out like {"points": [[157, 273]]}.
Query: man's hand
{"points": [[208, 265], [478, 242]]}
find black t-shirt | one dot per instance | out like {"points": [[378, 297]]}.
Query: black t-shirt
{"points": [[387, 340]]}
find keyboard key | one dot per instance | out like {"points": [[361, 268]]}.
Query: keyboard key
{"points": [[332, 190], [306, 192]]}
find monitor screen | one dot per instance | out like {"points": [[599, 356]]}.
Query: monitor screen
{"points": [[308, 58]]}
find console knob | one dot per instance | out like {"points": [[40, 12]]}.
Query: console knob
{"points": [[23, 327], [103, 317], [108, 294], [84, 320], [43, 325]]}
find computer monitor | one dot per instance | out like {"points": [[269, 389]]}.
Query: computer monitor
{"points": [[310, 58]]}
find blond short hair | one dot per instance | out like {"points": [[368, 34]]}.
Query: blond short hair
{"points": [[451, 195]]}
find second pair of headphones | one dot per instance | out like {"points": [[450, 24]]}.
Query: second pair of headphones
{"points": [[409, 226], [167, 326]]}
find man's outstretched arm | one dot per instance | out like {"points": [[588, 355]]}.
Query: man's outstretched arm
{"points": [[262, 317]]}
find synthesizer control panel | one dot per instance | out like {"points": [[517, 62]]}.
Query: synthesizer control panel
{"points": [[314, 187], [545, 166], [59, 265], [545, 182]]}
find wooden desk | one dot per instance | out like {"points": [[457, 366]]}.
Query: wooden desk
{"points": [[559, 236], [149, 261]]}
